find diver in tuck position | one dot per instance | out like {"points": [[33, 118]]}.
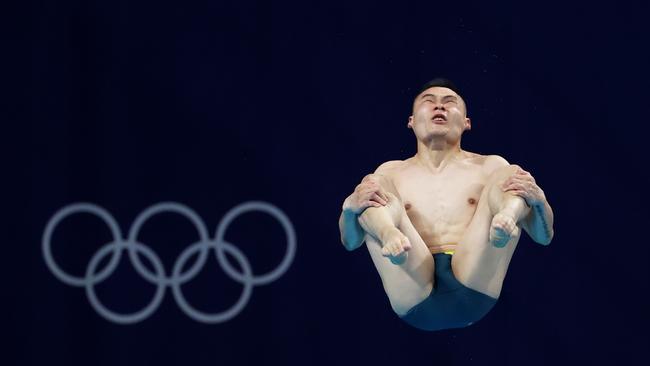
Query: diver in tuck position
{"points": [[441, 226]]}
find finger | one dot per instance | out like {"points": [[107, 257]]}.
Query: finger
{"points": [[516, 185], [374, 204], [519, 193], [504, 187], [528, 176], [525, 178], [377, 198], [383, 200], [376, 188], [369, 185], [380, 191], [521, 179], [514, 189], [512, 178], [383, 194], [519, 184], [363, 190], [367, 194], [363, 193]]}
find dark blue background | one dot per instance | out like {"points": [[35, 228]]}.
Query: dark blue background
{"points": [[212, 103]]}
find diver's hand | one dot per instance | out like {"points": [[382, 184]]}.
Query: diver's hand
{"points": [[367, 194], [522, 184]]}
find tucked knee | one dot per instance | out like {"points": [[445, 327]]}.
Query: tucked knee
{"points": [[497, 197], [384, 182], [499, 176], [394, 206]]}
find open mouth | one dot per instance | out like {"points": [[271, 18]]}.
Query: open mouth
{"points": [[439, 118]]}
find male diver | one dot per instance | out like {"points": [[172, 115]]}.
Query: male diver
{"points": [[442, 226]]}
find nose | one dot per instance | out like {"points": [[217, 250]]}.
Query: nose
{"points": [[438, 106]]}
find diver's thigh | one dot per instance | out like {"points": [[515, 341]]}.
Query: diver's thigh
{"points": [[406, 284], [477, 263]]}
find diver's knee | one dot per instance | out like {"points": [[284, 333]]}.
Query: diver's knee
{"points": [[383, 181], [499, 175], [506, 171], [374, 178]]}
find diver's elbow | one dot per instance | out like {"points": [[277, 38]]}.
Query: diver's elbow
{"points": [[350, 246], [346, 245], [546, 239]]}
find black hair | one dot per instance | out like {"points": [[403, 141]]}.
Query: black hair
{"points": [[443, 83]]}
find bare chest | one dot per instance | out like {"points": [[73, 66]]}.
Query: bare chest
{"points": [[441, 206]]}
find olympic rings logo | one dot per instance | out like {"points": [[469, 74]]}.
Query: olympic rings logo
{"points": [[158, 277]]}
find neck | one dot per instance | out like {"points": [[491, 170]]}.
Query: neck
{"points": [[436, 154]]}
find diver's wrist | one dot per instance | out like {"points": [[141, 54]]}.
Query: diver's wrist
{"points": [[348, 208]]}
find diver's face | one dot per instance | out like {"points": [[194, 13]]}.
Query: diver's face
{"points": [[438, 111]]}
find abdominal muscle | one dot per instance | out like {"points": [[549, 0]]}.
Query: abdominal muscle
{"points": [[441, 206], [442, 243], [441, 235]]}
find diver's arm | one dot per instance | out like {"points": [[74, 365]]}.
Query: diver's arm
{"points": [[352, 235], [367, 194], [539, 223]]}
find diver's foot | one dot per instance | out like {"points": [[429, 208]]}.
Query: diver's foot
{"points": [[503, 228], [395, 245]]}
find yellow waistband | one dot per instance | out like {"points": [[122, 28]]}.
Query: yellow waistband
{"points": [[451, 248]]}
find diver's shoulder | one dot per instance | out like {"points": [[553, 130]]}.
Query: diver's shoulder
{"points": [[390, 166], [495, 161], [487, 162], [492, 163]]}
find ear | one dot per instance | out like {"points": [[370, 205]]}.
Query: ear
{"points": [[468, 124], [410, 124]]}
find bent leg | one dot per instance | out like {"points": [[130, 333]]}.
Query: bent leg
{"points": [[408, 281], [483, 255]]}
